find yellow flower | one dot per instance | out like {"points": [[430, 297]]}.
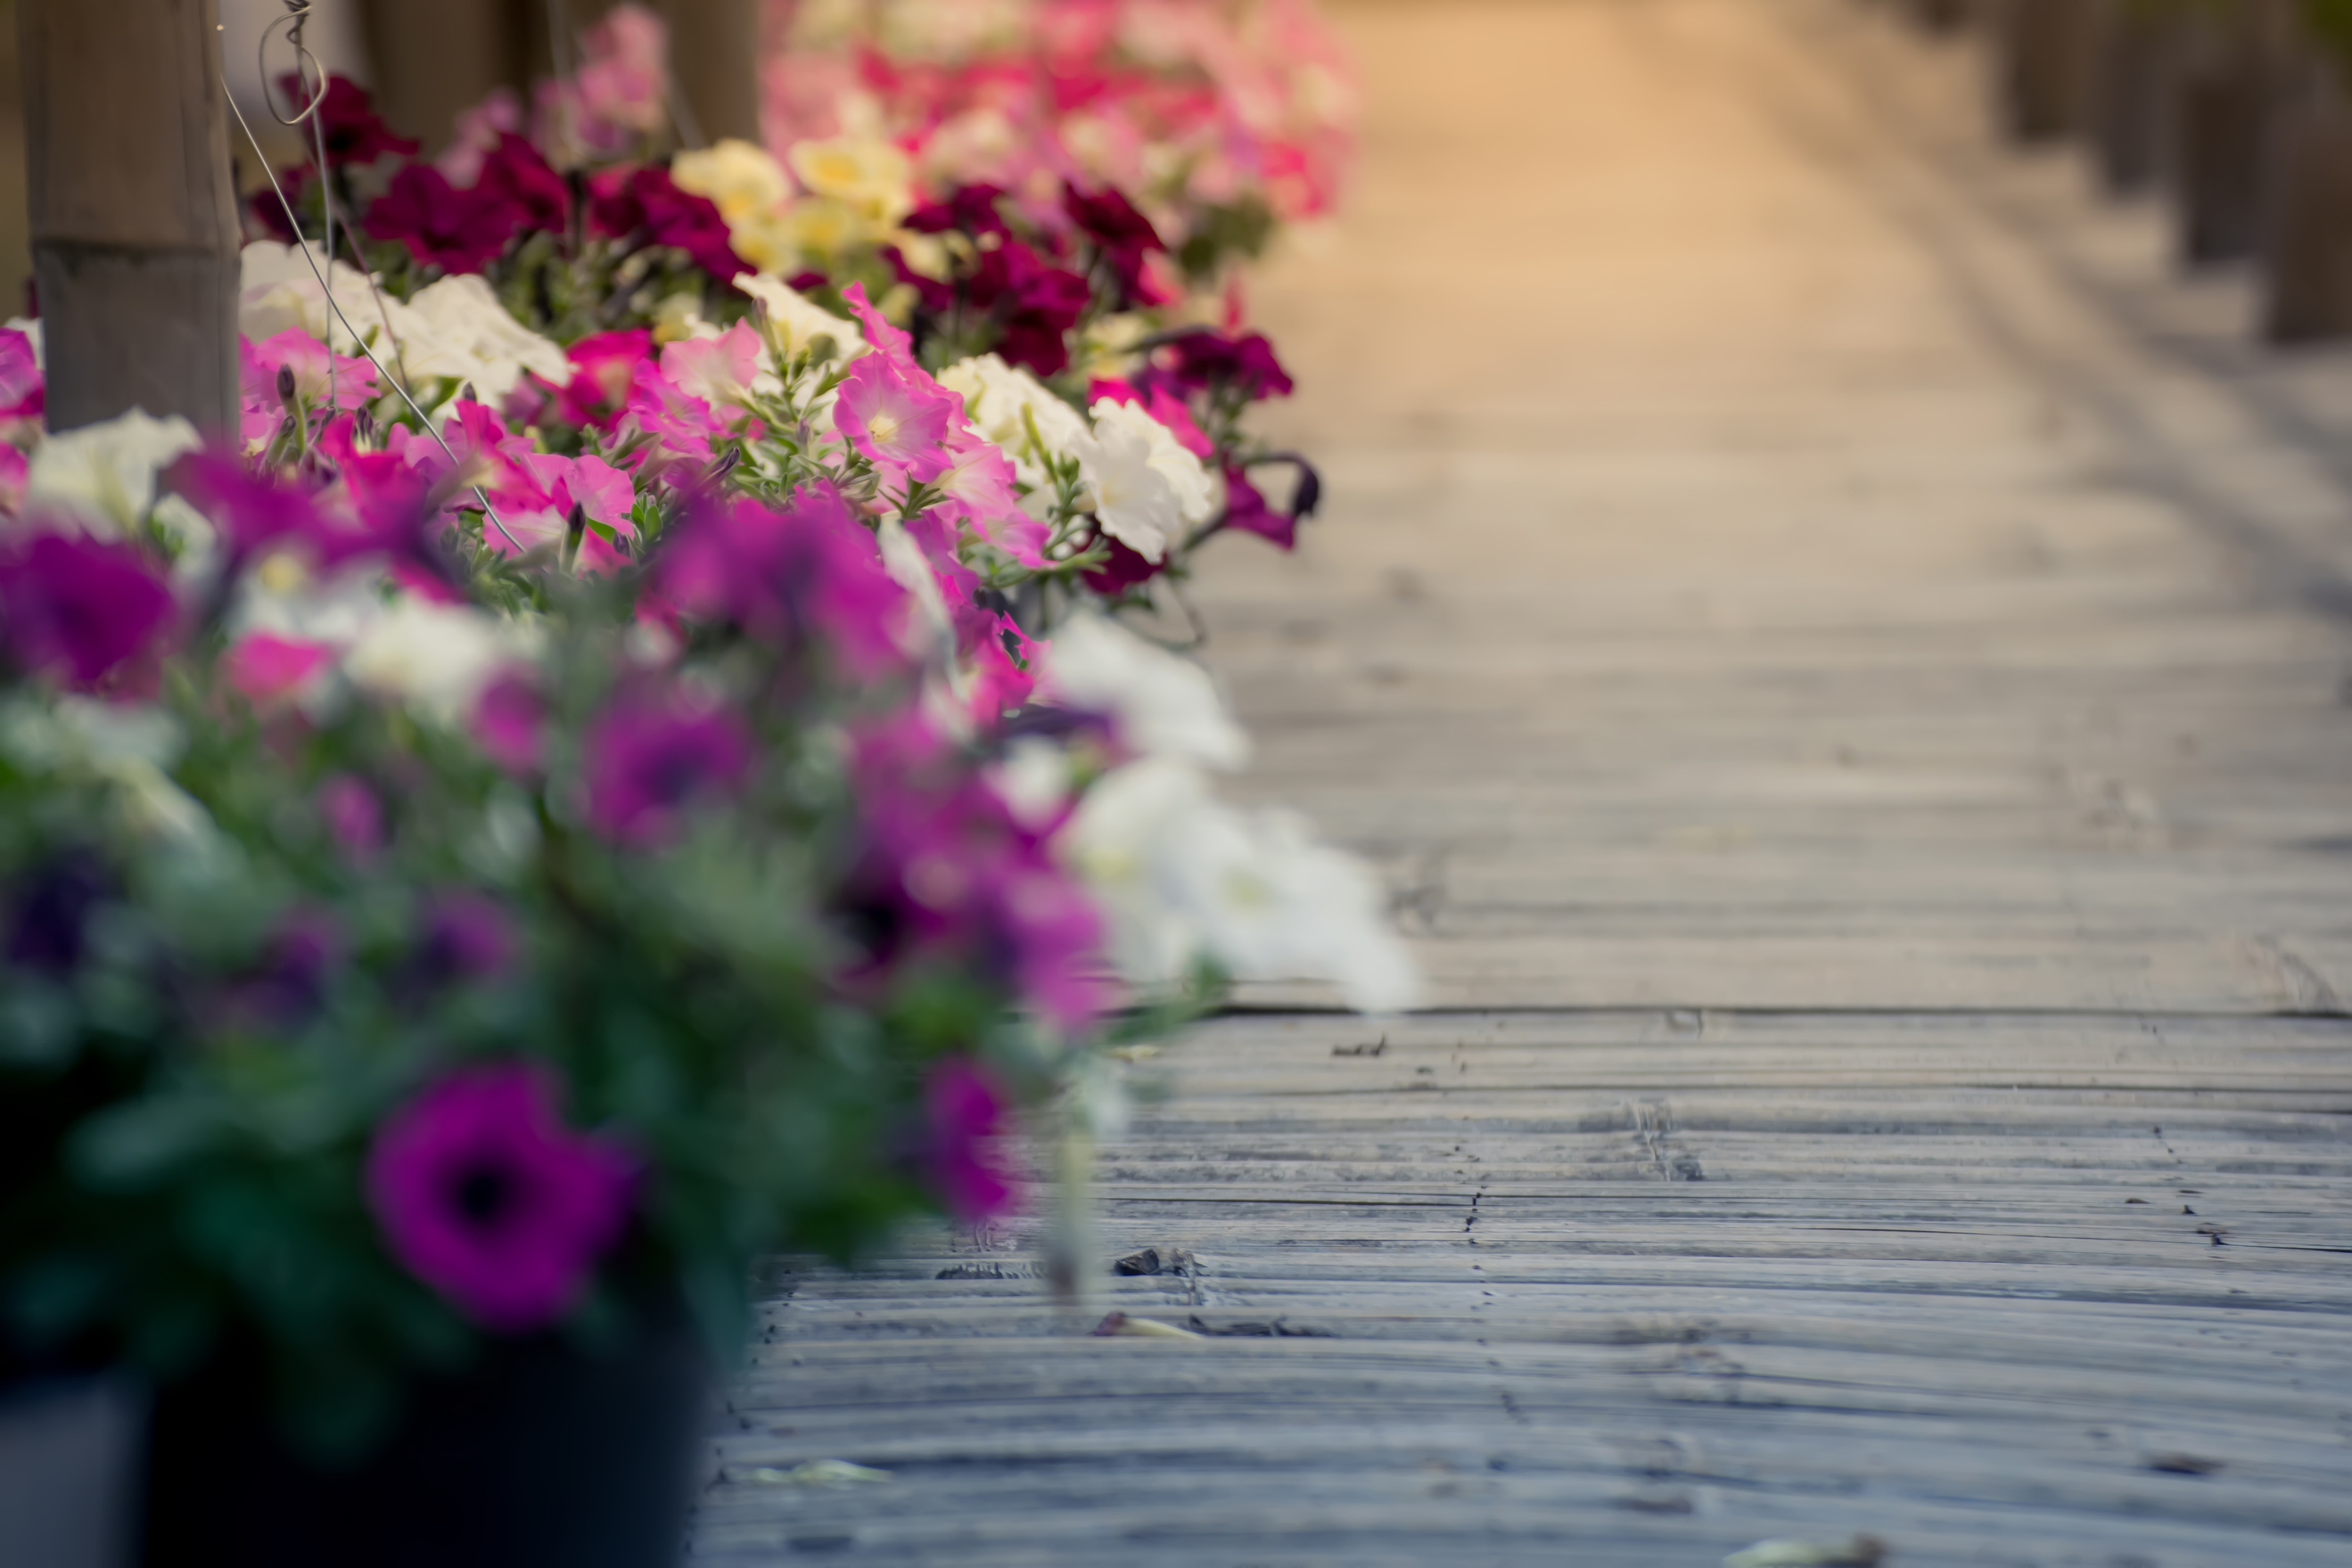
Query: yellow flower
{"points": [[743, 181], [864, 173], [767, 241], [823, 225]]}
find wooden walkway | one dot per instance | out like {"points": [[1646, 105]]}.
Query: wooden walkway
{"points": [[1848, 665]]}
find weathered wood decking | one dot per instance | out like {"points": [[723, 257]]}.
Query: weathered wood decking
{"points": [[1845, 662]]}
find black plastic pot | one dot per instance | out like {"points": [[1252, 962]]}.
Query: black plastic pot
{"points": [[68, 1469], [543, 1457]]}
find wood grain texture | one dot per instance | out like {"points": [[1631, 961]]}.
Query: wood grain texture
{"points": [[1842, 660], [131, 205]]}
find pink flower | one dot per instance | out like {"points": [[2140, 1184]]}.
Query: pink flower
{"points": [[602, 492], [479, 130], [650, 758], [717, 370], [886, 338], [23, 390], [266, 368], [80, 607], [267, 668], [603, 367], [485, 1195], [897, 416], [978, 486], [964, 1111], [682, 425]]}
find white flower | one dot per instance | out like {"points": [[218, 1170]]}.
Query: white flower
{"points": [[105, 474], [1182, 878], [435, 658], [278, 291], [463, 319], [1165, 705], [1145, 487], [799, 320], [127, 744], [31, 327], [997, 396]]}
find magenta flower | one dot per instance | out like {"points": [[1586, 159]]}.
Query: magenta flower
{"points": [[649, 759], [806, 577], [267, 668], [509, 724], [353, 815], [964, 1114], [484, 1193], [80, 607], [1247, 510], [24, 393], [602, 367], [897, 416], [466, 936], [947, 869]]}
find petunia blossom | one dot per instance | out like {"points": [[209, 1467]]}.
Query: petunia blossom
{"points": [[80, 607], [896, 416], [649, 757], [484, 1193]]}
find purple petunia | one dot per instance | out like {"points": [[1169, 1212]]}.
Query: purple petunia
{"points": [[487, 1196], [649, 758], [80, 607], [964, 1111]]}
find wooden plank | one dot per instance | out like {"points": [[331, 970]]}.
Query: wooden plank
{"points": [[1799, 569]]}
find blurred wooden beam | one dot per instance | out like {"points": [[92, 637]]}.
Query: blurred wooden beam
{"points": [[714, 52], [432, 59], [132, 209]]}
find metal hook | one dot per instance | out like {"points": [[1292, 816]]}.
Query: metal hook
{"points": [[306, 64]]}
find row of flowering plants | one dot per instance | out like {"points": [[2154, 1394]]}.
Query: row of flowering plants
{"points": [[619, 765]]}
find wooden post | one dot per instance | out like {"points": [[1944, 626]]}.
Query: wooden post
{"points": [[2132, 82], [133, 209], [2227, 107], [714, 55], [432, 59], [2307, 242], [2041, 66]]}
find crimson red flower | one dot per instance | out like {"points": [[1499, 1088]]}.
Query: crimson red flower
{"points": [[443, 226], [1205, 360], [645, 204], [353, 132], [530, 185]]}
